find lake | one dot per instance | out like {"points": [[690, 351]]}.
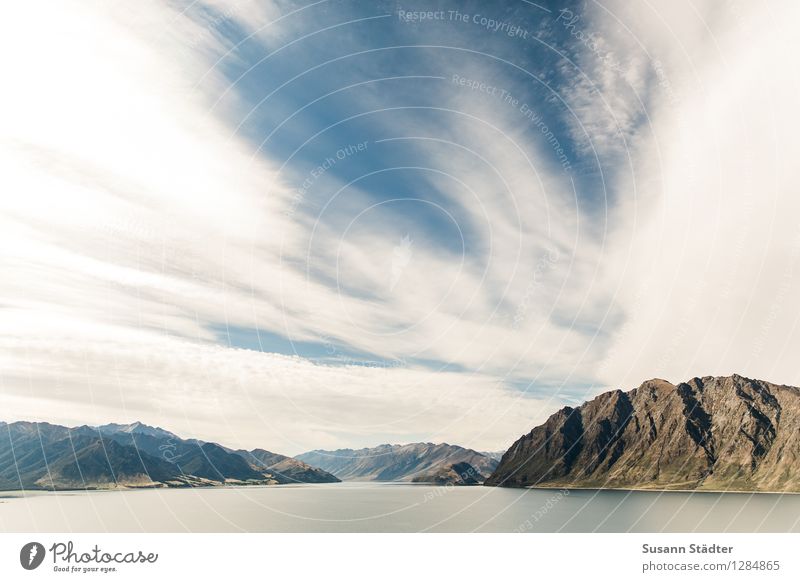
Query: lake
{"points": [[389, 507]]}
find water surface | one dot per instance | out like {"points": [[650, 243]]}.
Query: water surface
{"points": [[372, 507]]}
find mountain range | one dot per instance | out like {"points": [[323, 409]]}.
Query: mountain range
{"points": [[38, 455], [397, 462], [713, 433]]}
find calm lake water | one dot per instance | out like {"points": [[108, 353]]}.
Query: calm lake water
{"points": [[370, 507]]}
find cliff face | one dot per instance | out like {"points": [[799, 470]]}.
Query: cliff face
{"points": [[727, 433]]}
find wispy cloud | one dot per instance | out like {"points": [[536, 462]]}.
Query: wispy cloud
{"points": [[136, 219], [187, 178], [707, 249]]}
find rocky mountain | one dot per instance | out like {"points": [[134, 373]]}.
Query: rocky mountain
{"points": [[395, 462], [715, 433], [455, 474], [37, 455]]}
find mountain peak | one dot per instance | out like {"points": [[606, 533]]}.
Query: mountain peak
{"points": [[136, 427], [726, 433]]}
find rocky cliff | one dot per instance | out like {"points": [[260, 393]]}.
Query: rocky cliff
{"points": [[719, 433]]}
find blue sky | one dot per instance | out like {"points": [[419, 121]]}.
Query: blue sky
{"points": [[335, 224], [362, 75]]}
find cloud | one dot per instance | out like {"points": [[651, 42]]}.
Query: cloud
{"points": [[605, 83], [135, 222], [142, 213], [707, 246], [72, 373]]}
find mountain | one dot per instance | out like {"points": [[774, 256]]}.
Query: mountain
{"points": [[286, 469], [496, 455], [211, 461], [136, 428], [395, 462], [455, 474], [98, 463], [39, 455], [714, 433], [46, 456]]}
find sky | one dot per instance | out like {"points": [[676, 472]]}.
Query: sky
{"points": [[338, 223]]}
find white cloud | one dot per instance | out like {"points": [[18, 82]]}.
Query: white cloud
{"points": [[134, 219], [72, 373], [708, 242]]}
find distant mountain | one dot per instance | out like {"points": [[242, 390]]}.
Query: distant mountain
{"points": [[395, 462], [136, 428], [45, 456], [455, 474], [496, 455], [286, 469], [718, 433]]}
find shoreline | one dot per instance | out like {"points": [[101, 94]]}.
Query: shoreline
{"points": [[647, 490], [20, 493]]}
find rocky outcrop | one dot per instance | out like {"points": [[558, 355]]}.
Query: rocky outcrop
{"points": [[720, 433], [396, 462]]}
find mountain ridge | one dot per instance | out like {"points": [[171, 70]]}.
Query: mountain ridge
{"points": [[40, 455], [395, 462], [715, 433]]}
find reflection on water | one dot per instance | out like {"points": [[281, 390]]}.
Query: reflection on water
{"points": [[370, 507]]}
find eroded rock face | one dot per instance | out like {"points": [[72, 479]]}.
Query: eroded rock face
{"points": [[708, 433]]}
